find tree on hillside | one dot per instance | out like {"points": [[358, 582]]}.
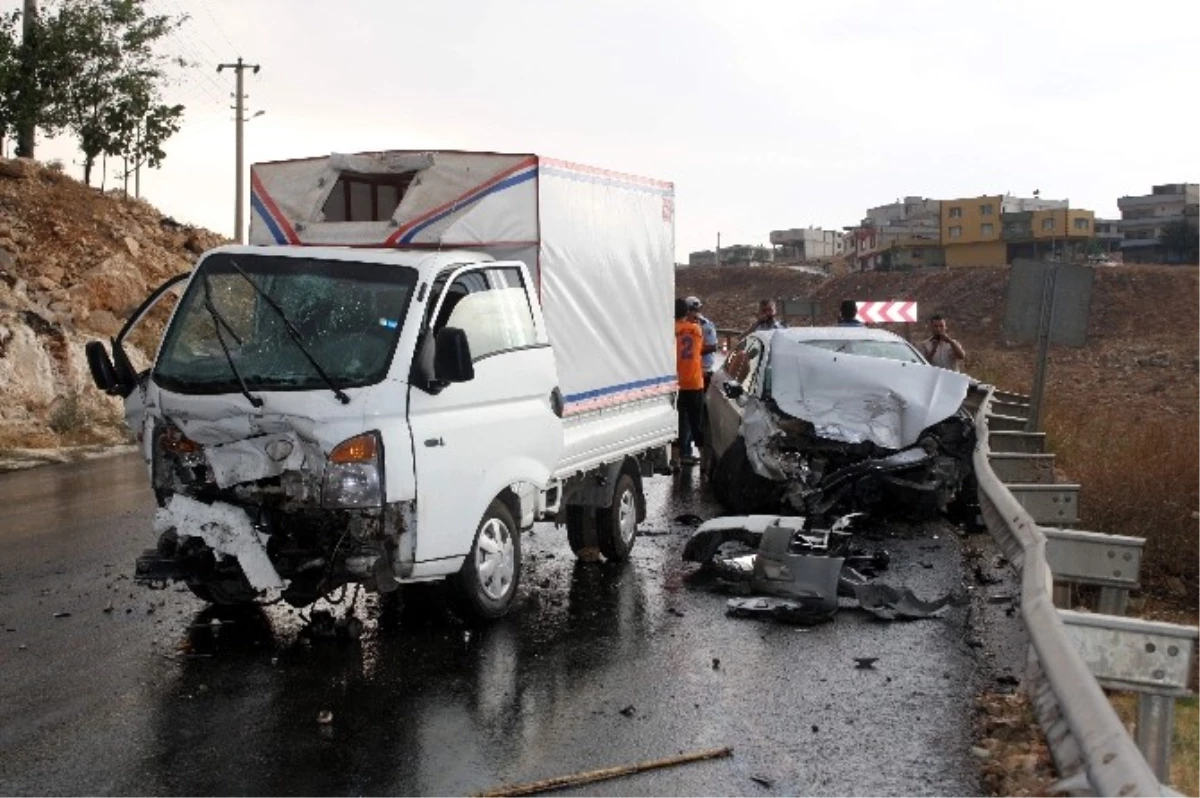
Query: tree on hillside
{"points": [[99, 55], [10, 65], [1181, 239]]}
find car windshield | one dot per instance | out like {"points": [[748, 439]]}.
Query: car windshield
{"points": [[891, 350], [346, 317]]}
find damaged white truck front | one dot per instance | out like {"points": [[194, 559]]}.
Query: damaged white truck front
{"points": [[318, 416]]}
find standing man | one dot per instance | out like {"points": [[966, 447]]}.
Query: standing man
{"points": [[708, 354], [766, 318], [689, 342], [848, 314], [939, 348]]}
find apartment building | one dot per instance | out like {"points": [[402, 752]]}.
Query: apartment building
{"points": [[1144, 217], [807, 243]]}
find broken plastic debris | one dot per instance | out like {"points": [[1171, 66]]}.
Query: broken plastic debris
{"points": [[227, 530], [628, 711], [788, 610], [891, 604], [865, 663], [62, 615]]}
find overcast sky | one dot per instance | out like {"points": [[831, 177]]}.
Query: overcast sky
{"points": [[765, 115]]}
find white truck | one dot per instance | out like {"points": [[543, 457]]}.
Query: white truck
{"points": [[419, 355]]}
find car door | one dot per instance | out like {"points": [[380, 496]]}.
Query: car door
{"points": [[473, 439], [124, 378], [724, 411]]}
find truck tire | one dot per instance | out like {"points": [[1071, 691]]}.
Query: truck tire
{"points": [[582, 533], [485, 586], [616, 525]]}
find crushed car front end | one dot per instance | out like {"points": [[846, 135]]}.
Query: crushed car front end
{"points": [[829, 431]]}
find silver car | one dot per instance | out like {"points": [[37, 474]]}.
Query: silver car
{"points": [[822, 419]]}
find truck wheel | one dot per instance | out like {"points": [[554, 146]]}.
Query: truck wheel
{"points": [[616, 525], [486, 585], [582, 533]]}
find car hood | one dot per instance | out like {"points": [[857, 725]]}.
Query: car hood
{"points": [[852, 398]]}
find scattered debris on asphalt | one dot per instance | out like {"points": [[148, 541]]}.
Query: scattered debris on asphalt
{"points": [[324, 717], [592, 776], [716, 663], [762, 780], [790, 570], [62, 615], [628, 711]]}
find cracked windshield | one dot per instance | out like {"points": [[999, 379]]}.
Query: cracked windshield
{"points": [[235, 318]]}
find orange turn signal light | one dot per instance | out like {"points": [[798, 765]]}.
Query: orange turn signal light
{"points": [[175, 441], [359, 449]]}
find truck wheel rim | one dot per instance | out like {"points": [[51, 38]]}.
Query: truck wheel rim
{"points": [[494, 559], [627, 517]]}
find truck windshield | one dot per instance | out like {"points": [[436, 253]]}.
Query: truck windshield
{"points": [[347, 315]]}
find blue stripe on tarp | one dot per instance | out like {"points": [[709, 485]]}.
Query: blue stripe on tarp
{"points": [[268, 220], [521, 177], [583, 177], [612, 389]]}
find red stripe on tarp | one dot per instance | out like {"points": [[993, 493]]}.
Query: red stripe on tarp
{"points": [[399, 233], [591, 170], [256, 185]]}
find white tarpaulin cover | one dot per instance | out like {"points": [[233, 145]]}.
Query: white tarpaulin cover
{"points": [[852, 398]]}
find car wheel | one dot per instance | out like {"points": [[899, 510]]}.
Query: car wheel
{"points": [[616, 525], [582, 533], [486, 585]]}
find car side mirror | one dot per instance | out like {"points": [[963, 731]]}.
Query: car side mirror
{"points": [[103, 374], [452, 356], [733, 390]]}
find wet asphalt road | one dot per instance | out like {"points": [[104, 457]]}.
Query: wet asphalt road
{"points": [[150, 698]]}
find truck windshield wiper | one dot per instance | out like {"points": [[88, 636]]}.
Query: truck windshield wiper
{"points": [[220, 321], [294, 334]]}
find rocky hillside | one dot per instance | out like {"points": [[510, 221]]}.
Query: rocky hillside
{"points": [[73, 263]]}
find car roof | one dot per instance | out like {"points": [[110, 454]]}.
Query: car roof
{"points": [[837, 334]]}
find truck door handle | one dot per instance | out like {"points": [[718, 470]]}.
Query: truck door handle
{"points": [[434, 442], [556, 402]]}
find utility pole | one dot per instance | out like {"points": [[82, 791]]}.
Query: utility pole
{"points": [[717, 254], [27, 125], [239, 121]]}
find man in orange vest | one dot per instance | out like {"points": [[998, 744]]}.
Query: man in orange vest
{"points": [[689, 367]]}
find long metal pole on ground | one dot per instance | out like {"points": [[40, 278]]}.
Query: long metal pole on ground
{"points": [[27, 125], [239, 229]]}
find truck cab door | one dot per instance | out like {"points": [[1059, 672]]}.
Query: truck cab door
{"points": [[117, 376], [501, 425]]}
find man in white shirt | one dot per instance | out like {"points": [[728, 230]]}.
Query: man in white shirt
{"points": [[939, 348]]}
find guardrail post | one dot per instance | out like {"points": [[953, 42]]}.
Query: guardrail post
{"points": [[1155, 732], [1112, 601]]}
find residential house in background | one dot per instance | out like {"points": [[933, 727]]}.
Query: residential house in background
{"points": [[1054, 233], [991, 230], [1144, 217], [904, 234], [733, 255], [1108, 235], [807, 244]]}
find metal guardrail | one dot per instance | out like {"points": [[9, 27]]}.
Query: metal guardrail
{"points": [[1093, 751]]}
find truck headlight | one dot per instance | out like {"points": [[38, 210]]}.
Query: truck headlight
{"points": [[354, 473]]}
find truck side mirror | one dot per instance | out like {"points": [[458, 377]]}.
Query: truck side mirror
{"points": [[101, 367], [732, 390], [452, 356]]}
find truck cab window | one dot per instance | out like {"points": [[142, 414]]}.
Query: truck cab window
{"points": [[492, 308]]}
